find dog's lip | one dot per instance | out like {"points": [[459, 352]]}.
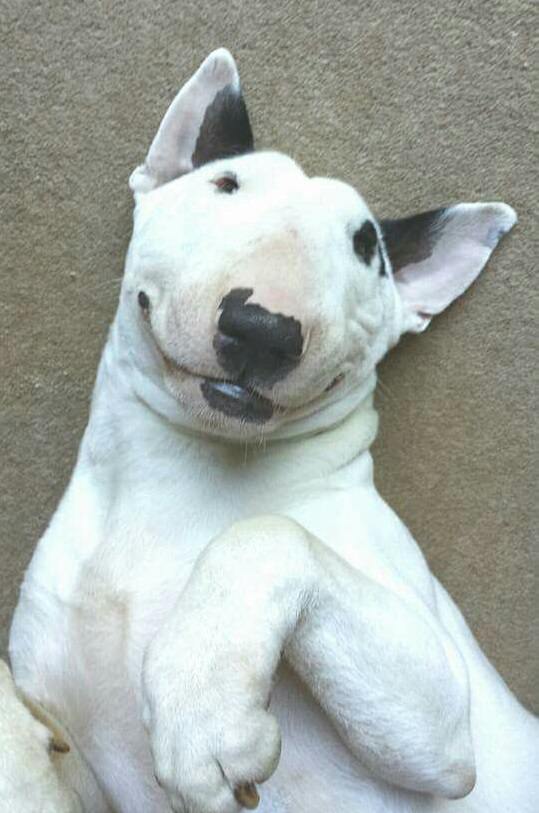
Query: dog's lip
{"points": [[221, 383], [237, 401]]}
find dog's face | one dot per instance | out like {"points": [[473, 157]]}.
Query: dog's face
{"points": [[257, 297], [266, 292]]}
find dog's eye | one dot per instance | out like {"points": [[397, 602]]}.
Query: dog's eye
{"points": [[365, 240], [227, 184], [144, 301]]}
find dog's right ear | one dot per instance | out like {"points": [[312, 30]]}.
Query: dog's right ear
{"points": [[436, 255], [207, 120]]}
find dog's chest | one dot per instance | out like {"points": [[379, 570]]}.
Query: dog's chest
{"points": [[125, 584], [125, 581]]}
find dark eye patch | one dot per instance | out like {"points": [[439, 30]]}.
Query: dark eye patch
{"points": [[365, 241], [227, 184]]}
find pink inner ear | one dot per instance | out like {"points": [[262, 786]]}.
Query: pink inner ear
{"points": [[431, 285], [468, 235]]}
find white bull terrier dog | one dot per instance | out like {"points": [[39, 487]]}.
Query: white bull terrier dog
{"points": [[222, 598]]}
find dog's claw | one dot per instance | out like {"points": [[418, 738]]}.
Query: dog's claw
{"points": [[247, 795], [59, 746], [57, 742]]}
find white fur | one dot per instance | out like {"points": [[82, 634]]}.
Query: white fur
{"points": [[158, 648]]}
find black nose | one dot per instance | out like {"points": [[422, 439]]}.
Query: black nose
{"points": [[254, 345]]}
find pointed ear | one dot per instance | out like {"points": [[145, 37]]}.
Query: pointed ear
{"points": [[436, 255], [207, 120]]}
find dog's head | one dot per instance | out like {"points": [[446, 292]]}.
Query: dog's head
{"points": [[255, 296]]}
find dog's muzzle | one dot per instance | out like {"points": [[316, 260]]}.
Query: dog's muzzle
{"points": [[256, 349]]}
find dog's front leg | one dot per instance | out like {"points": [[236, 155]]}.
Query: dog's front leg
{"points": [[379, 664], [207, 675]]}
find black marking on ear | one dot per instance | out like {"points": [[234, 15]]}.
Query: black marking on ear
{"points": [[225, 131], [383, 271], [365, 241], [411, 239]]}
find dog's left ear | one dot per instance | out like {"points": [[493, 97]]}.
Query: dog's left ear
{"points": [[436, 255], [207, 120]]}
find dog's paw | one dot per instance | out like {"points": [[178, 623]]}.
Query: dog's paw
{"points": [[211, 736]]}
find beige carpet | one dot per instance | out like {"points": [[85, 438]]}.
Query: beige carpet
{"points": [[417, 103]]}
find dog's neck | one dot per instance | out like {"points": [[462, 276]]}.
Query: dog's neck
{"points": [[124, 430]]}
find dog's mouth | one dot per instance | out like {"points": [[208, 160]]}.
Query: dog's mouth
{"points": [[238, 399], [234, 399]]}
